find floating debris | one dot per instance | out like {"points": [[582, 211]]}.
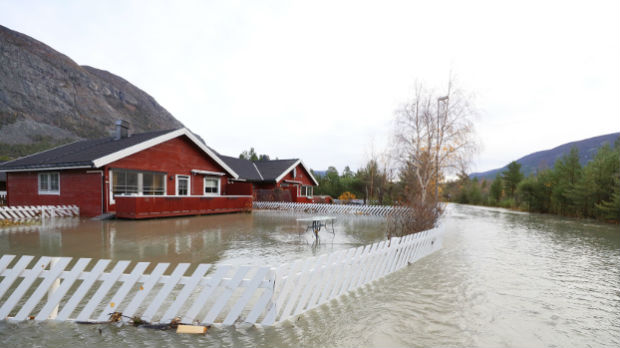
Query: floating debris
{"points": [[191, 329]]}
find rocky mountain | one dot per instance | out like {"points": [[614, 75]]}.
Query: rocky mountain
{"points": [[47, 99], [546, 159]]}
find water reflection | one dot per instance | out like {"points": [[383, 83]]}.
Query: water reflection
{"points": [[261, 238]]}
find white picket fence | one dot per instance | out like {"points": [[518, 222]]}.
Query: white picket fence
{"points": [[333, 209], [48, 288], [34, 212]]}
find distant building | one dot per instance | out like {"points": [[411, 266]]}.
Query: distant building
{"points": [[275, 180]]}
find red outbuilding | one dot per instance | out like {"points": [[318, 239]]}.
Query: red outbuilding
{"points": [[275, 180]]}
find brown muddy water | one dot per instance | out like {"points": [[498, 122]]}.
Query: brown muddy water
{"points": [[503, 279]]}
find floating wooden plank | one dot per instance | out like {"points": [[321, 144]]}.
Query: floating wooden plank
{"points": [[191, 329]]}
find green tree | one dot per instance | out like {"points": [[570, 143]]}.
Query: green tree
{"points": [[475, 193], [511, 178], [527, 191], [496, 190], [567, 171], [610, 210], [597, 184], [249, 155], [347, 173]]}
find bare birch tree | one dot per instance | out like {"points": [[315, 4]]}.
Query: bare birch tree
{"points": [[433, 137]]}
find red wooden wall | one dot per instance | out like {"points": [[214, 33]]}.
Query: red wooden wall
{"points": [[76, 187], [177, 156]]}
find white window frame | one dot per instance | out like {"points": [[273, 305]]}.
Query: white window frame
{"points": [[204, 186], [306, 191], [49, 191], [294, 173], [176, 184], [111, 186]]}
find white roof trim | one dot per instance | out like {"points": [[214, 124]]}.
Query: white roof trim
{"points": [[258, 171], [295, 165], [42, 169], [102, 161], [207, 172]]}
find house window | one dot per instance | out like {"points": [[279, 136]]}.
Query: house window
{"points": [[306, 191], [125, 182], [49, 183], [182, 185], [153, 184], [132, 182], [294, 173], [212, 186]]}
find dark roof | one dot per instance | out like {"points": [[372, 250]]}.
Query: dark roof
{"points": [[78, 154], [271, 170], [268, 170], [246, 169]]}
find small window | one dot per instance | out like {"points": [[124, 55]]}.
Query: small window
{"points": [[49, 183], [306, 191], [183, 185], [212, 186], [294, 173]]}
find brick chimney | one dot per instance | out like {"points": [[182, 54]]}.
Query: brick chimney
{"points": [[122, 129]]}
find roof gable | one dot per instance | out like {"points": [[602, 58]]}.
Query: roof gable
{"points": [[266, 170]]}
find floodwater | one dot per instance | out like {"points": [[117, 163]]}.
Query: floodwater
{"points": [[503, 279]]}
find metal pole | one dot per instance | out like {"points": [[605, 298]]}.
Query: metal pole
{"points": [[439, 100]]}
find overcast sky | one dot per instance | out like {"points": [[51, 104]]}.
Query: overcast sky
{"points": [[321, 80]]}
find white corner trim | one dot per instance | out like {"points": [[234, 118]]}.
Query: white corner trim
{"points": [[102, 161], [295, 165]]}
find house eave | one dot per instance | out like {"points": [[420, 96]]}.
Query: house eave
{"points": [[43, 169]]}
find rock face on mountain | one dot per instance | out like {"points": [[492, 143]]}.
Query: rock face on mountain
{"points": [[47, 99]]}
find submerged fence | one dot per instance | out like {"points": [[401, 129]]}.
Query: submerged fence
{"points": [[34, 212], [82, 290], [334, 209]]}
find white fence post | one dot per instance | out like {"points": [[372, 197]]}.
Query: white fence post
{"points": [[53, 288]]}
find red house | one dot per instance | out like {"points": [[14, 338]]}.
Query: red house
{"points": [[275, 180], [154, 174]]}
